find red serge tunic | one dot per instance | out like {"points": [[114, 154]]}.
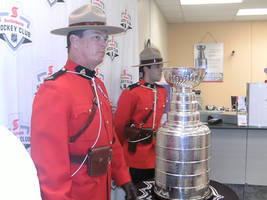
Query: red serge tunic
{"points": [[134, 104], [61, 107]]}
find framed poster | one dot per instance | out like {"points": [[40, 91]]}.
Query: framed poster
{"points": [[210, 55]]}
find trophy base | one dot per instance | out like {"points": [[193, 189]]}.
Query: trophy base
{"points": [[208, 196]]}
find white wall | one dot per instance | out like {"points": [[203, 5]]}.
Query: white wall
{"points": [[152, 24]]}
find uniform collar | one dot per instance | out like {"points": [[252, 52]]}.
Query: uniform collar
{"points": [[82, 71], [150, 85]]}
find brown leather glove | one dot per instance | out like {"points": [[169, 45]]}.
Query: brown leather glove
{"points": [[130, 190]]}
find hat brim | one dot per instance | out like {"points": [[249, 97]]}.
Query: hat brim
{"points": [[142, 65], [109, 29]]}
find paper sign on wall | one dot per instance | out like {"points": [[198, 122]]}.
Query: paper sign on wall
{"points": [[210, 54]]}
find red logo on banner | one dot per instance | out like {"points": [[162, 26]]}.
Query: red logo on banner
{"points": [[126, 20], [50, 70], [14, 12], [112, 48], [41, 76], [15, 124], [14, 28], [98, 3], [19, 128], [126, 79]]}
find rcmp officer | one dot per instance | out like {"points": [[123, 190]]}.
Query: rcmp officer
{"points": [[73, 143], [138, 115]]}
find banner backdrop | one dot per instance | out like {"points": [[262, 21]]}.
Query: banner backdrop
{"points": [[30, 53]]}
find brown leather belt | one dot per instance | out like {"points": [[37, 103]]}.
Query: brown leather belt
{"points": [[77, 159]]}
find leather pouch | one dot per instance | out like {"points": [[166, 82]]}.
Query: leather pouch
{"points": [[98, 160], [132, 133], [147, 133]]}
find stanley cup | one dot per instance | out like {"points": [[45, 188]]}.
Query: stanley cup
{"points": [[183, 142]]}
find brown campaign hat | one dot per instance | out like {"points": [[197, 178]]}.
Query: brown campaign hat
{"points": [[87, 17], [150, 56]]}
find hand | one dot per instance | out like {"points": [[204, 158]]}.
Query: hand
{"points": [[130, 190]]}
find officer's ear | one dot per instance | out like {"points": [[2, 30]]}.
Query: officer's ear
{"points": [[74, 40], [146, 68]]}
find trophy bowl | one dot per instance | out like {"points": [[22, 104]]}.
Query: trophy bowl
{"points": [[184, 77]]}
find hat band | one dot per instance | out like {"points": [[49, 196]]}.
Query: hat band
{"points": [[155, 60], [88, 23]]}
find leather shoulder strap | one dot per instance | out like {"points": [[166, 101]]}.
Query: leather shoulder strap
{"points": [[146, 118], [86, 124]]}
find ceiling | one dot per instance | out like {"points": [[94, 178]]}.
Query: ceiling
{"points": [[175, 13]]}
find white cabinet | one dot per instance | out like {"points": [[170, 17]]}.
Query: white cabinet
{"points": [[257, 157], [228, 155], [239, 155]]}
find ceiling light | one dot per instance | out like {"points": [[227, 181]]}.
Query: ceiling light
{"points": [[255, 11], [197, 2]]}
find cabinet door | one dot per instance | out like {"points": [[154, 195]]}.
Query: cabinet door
{"points": [[228, 155], [257, 157]]}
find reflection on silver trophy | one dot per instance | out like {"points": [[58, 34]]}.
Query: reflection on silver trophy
{"points": [[183, 143]]}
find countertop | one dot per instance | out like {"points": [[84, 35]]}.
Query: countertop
{"points": [[234, 126]]}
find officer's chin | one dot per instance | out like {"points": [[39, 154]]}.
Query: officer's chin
{"points": [[158, 80]]}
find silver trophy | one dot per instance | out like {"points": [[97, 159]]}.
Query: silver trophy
{"points": [[201, 60], [183, 142]]}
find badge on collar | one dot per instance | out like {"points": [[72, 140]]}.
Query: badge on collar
{"points": [[83, 72]]}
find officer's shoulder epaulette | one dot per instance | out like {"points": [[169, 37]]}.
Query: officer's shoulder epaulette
{"points": [[55, 75], [160, 86], [130, 87]]}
